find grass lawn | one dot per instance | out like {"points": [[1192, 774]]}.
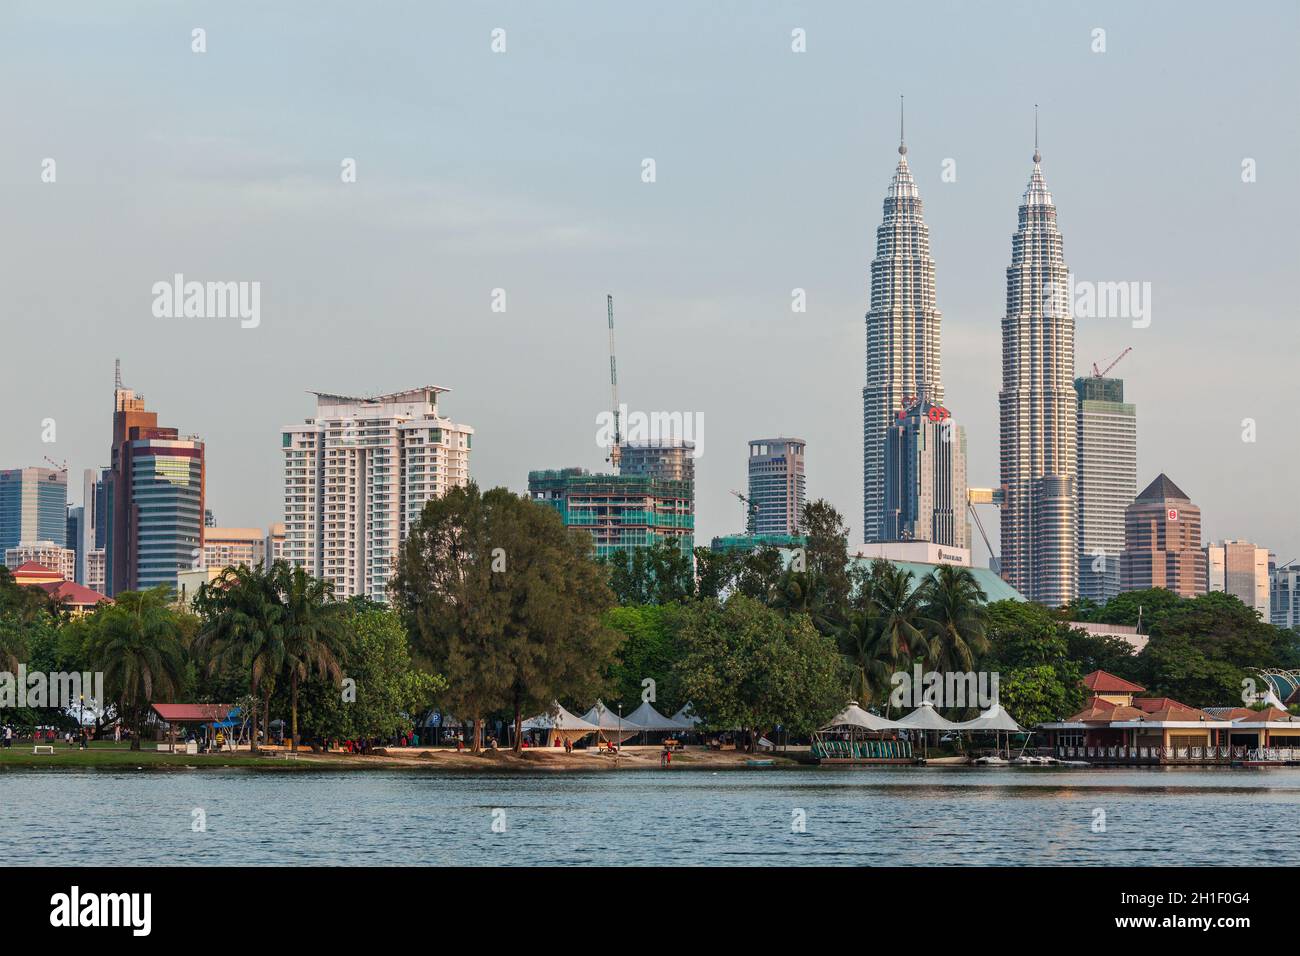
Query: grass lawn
{"points": [[109, 755]]}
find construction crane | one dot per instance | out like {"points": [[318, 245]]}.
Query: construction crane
{"points": [[616, 452], [1101, 373], [57, 466], [985, 496], [751, 512]]}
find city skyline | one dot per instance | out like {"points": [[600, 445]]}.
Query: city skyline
{"points": [[685, 328]]}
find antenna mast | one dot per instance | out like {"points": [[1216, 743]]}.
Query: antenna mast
{"points": [[616, 452]]}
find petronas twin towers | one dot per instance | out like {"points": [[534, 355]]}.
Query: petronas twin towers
{"points": [[1037, 398]]}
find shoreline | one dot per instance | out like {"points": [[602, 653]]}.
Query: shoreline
{"points": [[437, 760]]}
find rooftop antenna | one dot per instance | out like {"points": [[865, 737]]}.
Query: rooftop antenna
{"points": [[117, 373], [616, 452], [902, 143], [1037, 156]]}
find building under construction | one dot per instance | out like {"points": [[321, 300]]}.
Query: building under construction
{"points": [[622, 512]]}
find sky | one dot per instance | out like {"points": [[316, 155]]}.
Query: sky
{"points": [[522, 171]]}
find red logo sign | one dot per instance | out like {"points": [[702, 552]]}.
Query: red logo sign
{"points": [[1173, 514]]}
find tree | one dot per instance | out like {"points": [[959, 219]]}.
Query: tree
{"points": [[954, 618], [244, 628], [385, 693], [873, 658], [749, 667], [900, 610], [313, 631], [136, 644], [827, 550], [659, 574], [504, 601], [650, 649]]}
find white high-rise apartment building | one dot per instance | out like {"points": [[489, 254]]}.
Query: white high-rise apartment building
{"points": [[777, 485], [1038, 408], [356, 477], [902, 335], [1284, 598], [1240, 568]]}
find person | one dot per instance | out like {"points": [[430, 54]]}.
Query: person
{"points": [[9, 736], [663, 757], [221, 740], [117, 733]]}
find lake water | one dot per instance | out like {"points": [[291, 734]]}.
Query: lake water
{"points": [[906, 816]]}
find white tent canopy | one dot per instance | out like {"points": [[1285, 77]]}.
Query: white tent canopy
{"points": [[647, 718], [995, 718], [855, 716], [926, 717], [561, 723], [610, 724], [686, 716]]}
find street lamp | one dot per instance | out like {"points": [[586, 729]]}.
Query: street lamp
{"points": [[81, 720], [620, 726]]}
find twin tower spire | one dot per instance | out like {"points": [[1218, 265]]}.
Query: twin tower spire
{"points": [[903, 368]]}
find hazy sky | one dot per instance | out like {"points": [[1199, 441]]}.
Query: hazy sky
{"points": [[522, 171]]}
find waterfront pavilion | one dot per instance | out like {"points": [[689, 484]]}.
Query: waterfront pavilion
{"points": [[1260, 729], [185, 715], [856, 736]]}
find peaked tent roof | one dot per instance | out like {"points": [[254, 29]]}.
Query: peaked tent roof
{"points": [[1161, 489], [687, 719], [855, 716], [606, 719], [561, 720], [926, 717], [647, 718], [995, 718]]}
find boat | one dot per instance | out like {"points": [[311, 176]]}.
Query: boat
{"points": [[760, 763], [990, 762]]}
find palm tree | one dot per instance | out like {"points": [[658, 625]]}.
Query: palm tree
{"points": [[954, 616], [314, 626], [872, 659], [803, 592], [900, 611], [136, 644], [243, 628]]}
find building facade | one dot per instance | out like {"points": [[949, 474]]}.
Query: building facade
{"points": [[1240, 568], [357, 476], [48, 554], [233, 547], [33, 506], [1162, 542], [1284, 596], [1106, 430], [1038, 408], [670, 460], [902, 330], [154, 499], [777, 485], [621, 512], [925, 478]]}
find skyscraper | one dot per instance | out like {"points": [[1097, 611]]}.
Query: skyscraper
{"points": [[1162, 542], [357, 476], [1240, 568], [155, 495], [1107, 442], [902, 333], [776, 484], [1038, 408], [33, 506], [925, 478]]}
